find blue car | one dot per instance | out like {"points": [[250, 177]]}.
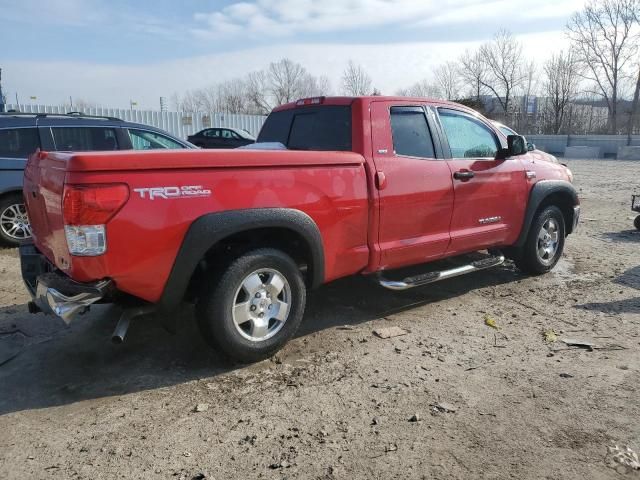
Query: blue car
{"points": [[22, 133]]}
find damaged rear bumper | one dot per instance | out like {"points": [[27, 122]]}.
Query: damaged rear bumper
{"points": [[55, 293]]}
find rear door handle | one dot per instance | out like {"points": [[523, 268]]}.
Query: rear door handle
{"points": [[464, 175]]}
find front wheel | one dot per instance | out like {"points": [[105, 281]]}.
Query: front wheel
{"points": [[636, 222], [254, 307], [14, 223], [544, 244]]}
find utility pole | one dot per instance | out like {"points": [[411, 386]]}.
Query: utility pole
{"points": [[1, 94]]}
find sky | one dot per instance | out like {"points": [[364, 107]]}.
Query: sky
{"points": [[111, 52]]}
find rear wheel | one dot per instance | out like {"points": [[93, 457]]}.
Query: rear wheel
{"points": [[14, 223], [254, 307], [636, 222], [545, 242]]}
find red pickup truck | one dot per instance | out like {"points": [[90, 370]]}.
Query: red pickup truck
{"points": [[333, 187]]}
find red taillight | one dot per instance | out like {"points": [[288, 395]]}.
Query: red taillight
{"points": [[92, 204]]}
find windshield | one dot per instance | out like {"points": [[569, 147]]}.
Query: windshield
{"points": [[244, 134], [506, 130]]}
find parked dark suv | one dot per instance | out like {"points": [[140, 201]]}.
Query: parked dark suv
{"points": [[22, 133]]}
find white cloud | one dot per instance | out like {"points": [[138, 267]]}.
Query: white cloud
{"points": [[390, 65], [289, 17], [54, 12]]}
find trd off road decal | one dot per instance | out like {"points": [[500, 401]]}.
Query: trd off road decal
{"points": [[166, 193]]}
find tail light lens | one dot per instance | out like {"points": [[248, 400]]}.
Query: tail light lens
{"points": [[92, 204], [86, 209]]}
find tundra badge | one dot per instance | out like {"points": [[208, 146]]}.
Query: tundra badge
{"points": [[484, 221]]}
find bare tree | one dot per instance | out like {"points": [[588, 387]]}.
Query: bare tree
{"points": [[232, 97], [288, 81], [324, 85], [605, 43], [560, 86], [473, 71], [189, 102], [423, 88], [258, 92], [206, 99], [503, 57], [355, 80], [448, 80], [316, 86], [633, 114]]}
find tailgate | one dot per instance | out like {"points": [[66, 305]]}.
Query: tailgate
{"points": [[43, 187]]}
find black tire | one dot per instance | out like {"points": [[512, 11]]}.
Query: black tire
{"points": [[636, 222], [8, 206], [215, 307], [529, 258]]}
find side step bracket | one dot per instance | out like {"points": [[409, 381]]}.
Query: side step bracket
{"points": [[431, 277]]}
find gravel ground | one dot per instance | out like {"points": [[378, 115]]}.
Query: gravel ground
{"points": [[453, 398]]}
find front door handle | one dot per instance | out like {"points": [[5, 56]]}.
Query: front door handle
{"points": [[464, 175]]}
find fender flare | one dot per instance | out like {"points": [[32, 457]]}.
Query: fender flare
{"points": [[207, 230], [539, 193]]}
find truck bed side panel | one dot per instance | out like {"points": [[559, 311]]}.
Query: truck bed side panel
{"points": [[144, 237]]}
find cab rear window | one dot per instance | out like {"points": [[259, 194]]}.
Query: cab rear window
{"points": [[326, 128]]}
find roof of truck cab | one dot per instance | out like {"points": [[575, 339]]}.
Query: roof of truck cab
{"points": [[372, 99]]}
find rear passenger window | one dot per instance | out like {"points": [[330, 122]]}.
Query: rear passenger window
{"points": [[411, 136], [82, 139], [18, 142]]}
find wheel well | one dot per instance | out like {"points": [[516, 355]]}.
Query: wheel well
{"points": [[9, 193], [218, 257], [564, 202]]}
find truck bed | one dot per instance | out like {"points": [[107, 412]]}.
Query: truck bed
{"points": [[145, 235]]}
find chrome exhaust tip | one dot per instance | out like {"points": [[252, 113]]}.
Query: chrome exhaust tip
{"points": [[121, 329], [125, 319]]}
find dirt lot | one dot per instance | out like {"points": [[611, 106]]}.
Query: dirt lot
{"points": [[338, 402]]}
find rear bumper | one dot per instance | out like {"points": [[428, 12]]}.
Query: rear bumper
{"points": [[55, 293]]}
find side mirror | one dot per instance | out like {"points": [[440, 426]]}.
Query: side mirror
{"points": [[531, 146], [517, 145]]}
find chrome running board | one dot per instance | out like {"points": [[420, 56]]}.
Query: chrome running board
{"points": [[431, 277]]}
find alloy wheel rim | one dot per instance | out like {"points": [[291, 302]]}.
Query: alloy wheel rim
{"points": [[261, 304], [15, 222], [548, 241]]}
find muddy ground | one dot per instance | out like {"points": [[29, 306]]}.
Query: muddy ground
{"points": [[337, 402]]}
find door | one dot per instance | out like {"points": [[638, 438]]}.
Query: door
{"points": [[231, 139], [212, 138], [489, 192], [414, 186]]}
